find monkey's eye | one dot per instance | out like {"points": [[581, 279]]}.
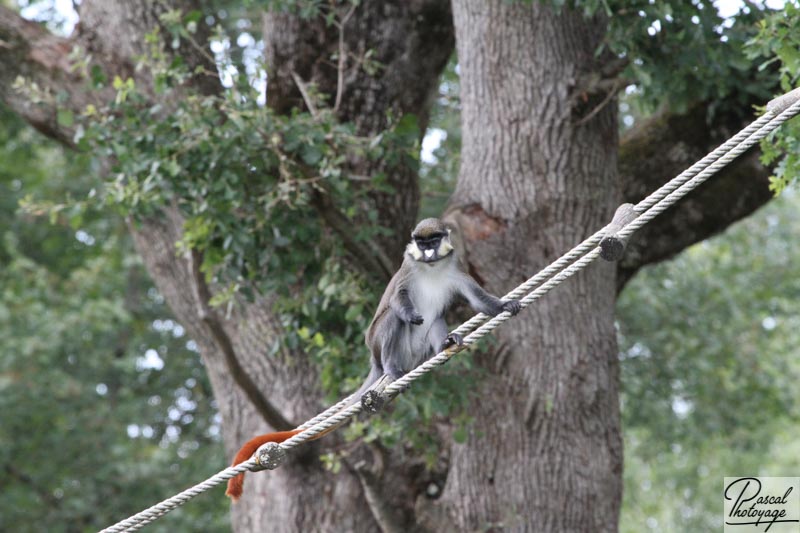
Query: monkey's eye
{"points": [[430, 239]]}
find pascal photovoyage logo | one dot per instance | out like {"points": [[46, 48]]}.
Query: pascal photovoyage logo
{"points": [[761, 504]]}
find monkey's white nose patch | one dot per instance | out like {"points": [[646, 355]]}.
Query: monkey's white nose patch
{"points": [[429, 253]]}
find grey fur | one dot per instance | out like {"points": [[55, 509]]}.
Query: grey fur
{"points": [[409, 327]]}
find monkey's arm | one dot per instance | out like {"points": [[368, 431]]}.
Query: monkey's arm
{"points": [[484, 302], [403, 307]]}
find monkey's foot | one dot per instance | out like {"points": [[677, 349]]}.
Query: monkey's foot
{"points": [[512, 306], [453, 339]]}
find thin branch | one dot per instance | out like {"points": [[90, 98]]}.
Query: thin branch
{"points": [[199, 48], [614, 67], [367, 251], [301, 86], [342, 58], [612, 92], [268, 412], [44, 494]]}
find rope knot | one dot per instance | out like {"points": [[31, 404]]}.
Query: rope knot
{"points": [[612, 246], [270, 456], [372, 401]]}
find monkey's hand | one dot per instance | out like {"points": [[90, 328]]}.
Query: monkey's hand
{"points": [[415, 318], [453, 339], [512, 306]]}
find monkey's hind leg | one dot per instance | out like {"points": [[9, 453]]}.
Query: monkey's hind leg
{"points": [[394, 359], [393, 371]]}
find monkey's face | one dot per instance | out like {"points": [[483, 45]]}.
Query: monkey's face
{"points": [[430, 247]]}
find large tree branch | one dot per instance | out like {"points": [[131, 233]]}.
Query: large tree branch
{"points": [[660, 148], [40, 60], [216, 328], [384, 513]]}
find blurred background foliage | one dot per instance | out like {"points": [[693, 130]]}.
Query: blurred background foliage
{"points": [[103, 398], [102, 393], [710, 371]]}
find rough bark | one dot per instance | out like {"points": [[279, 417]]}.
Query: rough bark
{"points": [[546, 453], [30, 53], [411, 41]]}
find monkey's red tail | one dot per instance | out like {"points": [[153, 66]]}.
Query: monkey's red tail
{"points": [[236, 484]]}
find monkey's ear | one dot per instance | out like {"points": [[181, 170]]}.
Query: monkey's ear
{"points": [[451, 221], [452, 232]]}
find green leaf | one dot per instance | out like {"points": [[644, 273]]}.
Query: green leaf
{"points": [[408, 126], [311, 155], [65, 118]]}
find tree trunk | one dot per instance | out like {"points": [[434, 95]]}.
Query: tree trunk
{"points": [[546, 451]]}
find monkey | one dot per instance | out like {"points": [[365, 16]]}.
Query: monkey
{"points": [[408, 327]]}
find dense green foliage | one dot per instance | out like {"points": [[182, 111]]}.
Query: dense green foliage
{"points": [[778, 43], [680, 53], [101, 393], [249, 183]]}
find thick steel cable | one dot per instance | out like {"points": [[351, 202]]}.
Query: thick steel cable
{"points": [[557, 272]]}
